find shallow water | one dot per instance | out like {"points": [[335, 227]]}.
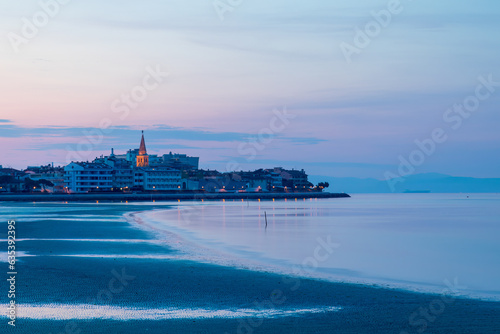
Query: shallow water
{"points": [[424, 242]]}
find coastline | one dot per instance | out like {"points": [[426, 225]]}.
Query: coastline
{"points": [[139, 197]]}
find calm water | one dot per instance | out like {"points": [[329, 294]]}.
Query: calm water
{"points": [[414, 241]]}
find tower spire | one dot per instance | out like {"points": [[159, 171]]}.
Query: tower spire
{"points": [[142, 159], [142, 148]]}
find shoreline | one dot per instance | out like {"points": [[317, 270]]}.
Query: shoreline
{"points": [[162, 197]]}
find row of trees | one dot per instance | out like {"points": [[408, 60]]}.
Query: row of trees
{"points": [[7, 181]]}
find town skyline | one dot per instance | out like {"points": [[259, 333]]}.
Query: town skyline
{"points": [[139, 171]]}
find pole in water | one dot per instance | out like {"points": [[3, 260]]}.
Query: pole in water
{"points": [[265, 215]]}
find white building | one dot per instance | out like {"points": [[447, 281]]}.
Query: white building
{"points": [[82, 177], [123, 171], [157, 178]]}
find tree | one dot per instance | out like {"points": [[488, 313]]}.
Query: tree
{"points": [[29, 184], [6, 179], [45, 183], [322, 185]]}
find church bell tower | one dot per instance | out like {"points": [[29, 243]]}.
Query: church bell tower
{"points": [[142, 160]]}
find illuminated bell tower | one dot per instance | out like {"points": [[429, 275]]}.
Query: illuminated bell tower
{"points": [[142, 160]]}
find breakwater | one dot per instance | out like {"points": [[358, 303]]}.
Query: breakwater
{"points": [[162, 196]]}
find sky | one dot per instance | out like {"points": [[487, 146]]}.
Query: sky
{"points": [[340, 88]]}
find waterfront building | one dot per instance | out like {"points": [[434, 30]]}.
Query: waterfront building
{"points": [[10, 172], [157, 178], [82, 177], [222, 184], [53, 175], [123, 171], [11, 180], [275, 179], [190, 184], [123, 175], [294, 179], [259, 180]]}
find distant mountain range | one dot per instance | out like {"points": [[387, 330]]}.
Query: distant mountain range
{"points": [[429, 182]]}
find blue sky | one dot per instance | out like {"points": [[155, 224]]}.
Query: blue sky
{"points": [[226, 78]]}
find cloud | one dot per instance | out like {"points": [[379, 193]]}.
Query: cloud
{"points": [[129, 136]]}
